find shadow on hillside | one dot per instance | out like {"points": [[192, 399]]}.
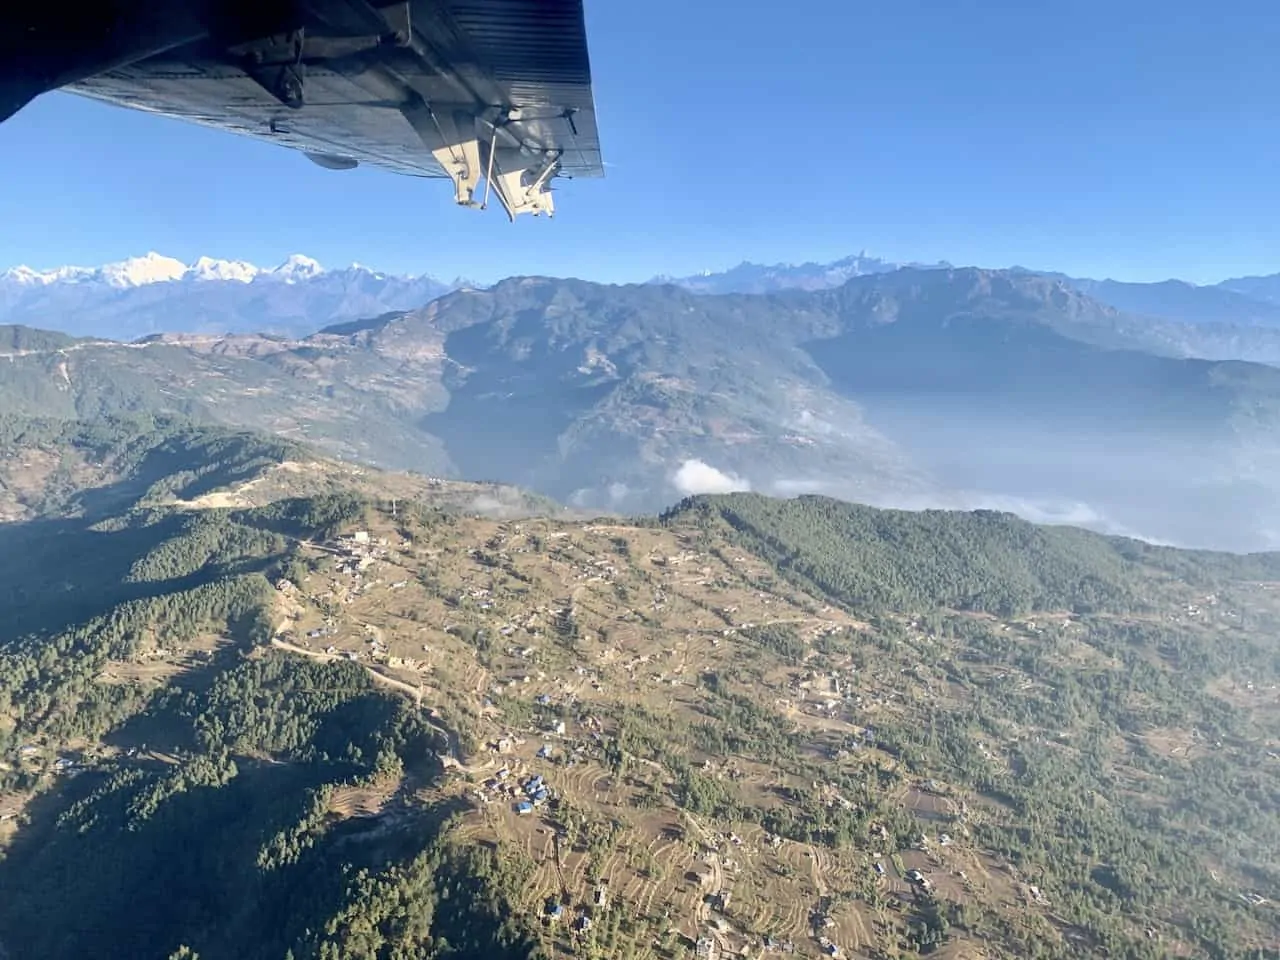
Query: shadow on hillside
{"points": [[162, 727], [505, 419], [186, 466], [191, 871], [60, 572]]}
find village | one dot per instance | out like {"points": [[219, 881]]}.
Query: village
{"points": [[531, 622], [551, 651]]}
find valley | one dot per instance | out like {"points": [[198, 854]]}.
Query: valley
{"points": [[947, 388]]}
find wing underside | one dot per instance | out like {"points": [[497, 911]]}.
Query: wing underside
{"points": [[494, 95]]}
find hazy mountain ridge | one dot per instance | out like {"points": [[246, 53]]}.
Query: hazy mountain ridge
{"points": [[1233, 320], [957, 388], [749, 277], [153, 294], [144, 296]]}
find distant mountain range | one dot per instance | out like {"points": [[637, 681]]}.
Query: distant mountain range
{"points": [[917, 387], [758, 278], [1233, 320], [143, 296], [153, 293], [1247, 300]]}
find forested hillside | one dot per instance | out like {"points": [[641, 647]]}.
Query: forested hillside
{"points": [[363, 723], [982, 561], [172, 775]]}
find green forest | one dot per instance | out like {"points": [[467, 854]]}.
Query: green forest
{"points": [[983, 561]]}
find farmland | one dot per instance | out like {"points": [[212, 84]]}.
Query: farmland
{"points": [[746, 728], [690, 711]]}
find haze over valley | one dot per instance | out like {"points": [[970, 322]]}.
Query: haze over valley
{"points": [[917, 386]]}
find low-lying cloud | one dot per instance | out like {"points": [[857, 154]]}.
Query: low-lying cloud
{"points": [[1046, 510], [695, 477]]}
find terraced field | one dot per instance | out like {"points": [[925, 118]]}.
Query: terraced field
{"points": [[730, 763]]}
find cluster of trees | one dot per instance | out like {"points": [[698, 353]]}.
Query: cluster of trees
{"points": [[154, 574], [231, 850], [1113, 830], [1116, 833]]}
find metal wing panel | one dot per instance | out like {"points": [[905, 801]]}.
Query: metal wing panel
{"points": [[460, 80], [522, 42], [341, 117]]}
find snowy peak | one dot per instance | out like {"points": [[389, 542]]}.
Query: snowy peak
{"points": [[297, 267], [23, 275], [146, 295], [139, 271], [156, 268], [39, 278], [207, 268]]}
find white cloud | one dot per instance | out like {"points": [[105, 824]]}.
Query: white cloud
{"points": [[1045, 510], [784, 487], [696, 477]]}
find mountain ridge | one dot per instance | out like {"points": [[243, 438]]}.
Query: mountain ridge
{"points": [[153, 294], [153, 267], [957, 388], [1235, 319], [143, 296]]}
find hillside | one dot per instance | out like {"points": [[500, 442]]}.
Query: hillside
{"points": [[60, 469], [16, 340], [304, 728], [944, 388]]}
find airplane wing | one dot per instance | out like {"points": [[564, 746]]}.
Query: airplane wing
{"points": [[492, 92]]}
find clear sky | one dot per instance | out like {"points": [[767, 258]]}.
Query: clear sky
{"points": [[1134, 139]]}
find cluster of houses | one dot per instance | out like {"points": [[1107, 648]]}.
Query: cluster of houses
{"points": [[29, 754], [525, 796], [555, 910]]}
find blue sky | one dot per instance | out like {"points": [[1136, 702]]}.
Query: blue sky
{"points": [[1138, 140]]}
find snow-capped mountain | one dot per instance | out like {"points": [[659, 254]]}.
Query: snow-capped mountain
{"points": [[749, 277], [155, 293]]}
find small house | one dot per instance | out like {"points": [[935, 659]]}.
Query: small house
{"points": [[524, 807]]}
